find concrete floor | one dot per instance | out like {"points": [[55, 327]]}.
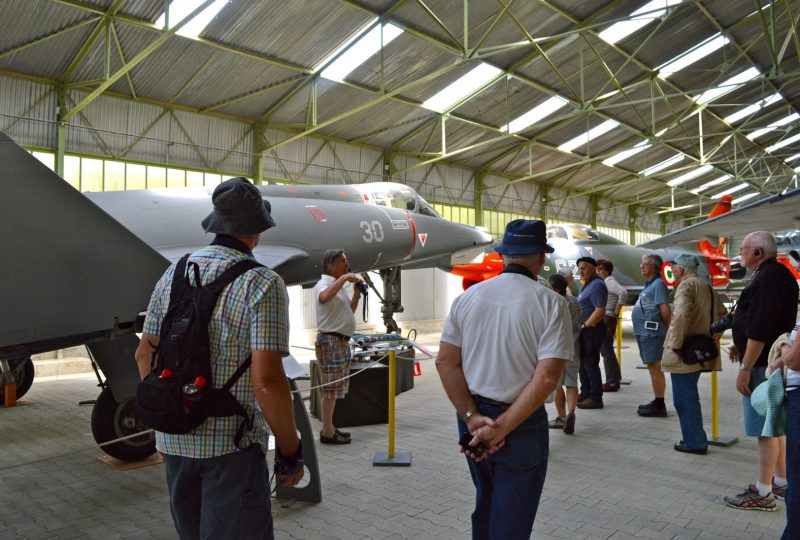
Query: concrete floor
{"points": [[617, 477]]}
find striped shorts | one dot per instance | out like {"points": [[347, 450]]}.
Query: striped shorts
{"points": [[333, 354]]}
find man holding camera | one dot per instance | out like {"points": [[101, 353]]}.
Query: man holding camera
{"points": [[336, 322], [766, 309], [503, 349]]}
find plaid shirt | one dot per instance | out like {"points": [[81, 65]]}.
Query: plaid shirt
{"points": [[251, 315]]}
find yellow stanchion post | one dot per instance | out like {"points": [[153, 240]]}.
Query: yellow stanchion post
{"points": [[390, 458], [715, 439], [10, 394]]}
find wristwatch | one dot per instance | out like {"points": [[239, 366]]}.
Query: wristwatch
{"points": [[743, 367], [467, 415]]}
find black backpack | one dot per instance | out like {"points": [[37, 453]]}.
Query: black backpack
{"points": [[178, 394]]}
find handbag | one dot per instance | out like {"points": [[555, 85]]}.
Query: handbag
{"points": [[701, 348]]}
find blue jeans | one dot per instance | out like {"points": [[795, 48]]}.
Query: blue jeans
{"points": [[687, 404], [509, 482], [792, 465], [221, 497]]}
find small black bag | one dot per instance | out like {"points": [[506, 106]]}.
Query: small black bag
{"points": [[702, 348]]}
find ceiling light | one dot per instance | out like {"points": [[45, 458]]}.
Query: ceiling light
{"points": [[590, 135], [755, 107], [356, 54], [785, 142], [734, 189], [792, 158], [543, 110], [692, 55], [461, 88], [662, 165], [682, 179], [625, 154], [638, 19], [772, 127], [711, 183], [178, 11], [744, 198], [727, 86]]}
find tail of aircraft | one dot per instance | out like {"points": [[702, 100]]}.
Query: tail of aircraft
{"points": [[718, 263]]}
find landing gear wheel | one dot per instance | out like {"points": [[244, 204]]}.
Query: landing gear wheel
{"points": [[23, 373], [112, 420]]}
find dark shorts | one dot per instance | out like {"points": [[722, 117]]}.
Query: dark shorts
{"points": [[333, 353], [651, 348]]}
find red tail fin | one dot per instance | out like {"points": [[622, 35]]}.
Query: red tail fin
{"points": [[722, 207], [718, 264]]}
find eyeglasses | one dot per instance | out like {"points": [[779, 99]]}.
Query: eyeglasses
{"points": [[742, 248], [644, 264]]}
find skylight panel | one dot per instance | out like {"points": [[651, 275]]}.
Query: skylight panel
{"points": [[755, 107], [179, 10], [662, 165], [792, 158], [464, 86], [711, 183], [780, 144], [358, 53], [541, 111], [734, 189], [728, 86], [744, 198], [692, 55], [772, 127], [682, 179], [625, 154], [638, 19], [590, 135]]}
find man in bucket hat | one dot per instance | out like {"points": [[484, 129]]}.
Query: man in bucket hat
{"points": [[218, 488], [502, 352]]}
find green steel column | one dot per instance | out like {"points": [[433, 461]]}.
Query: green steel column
{"points": [[258, 155], [594, 203], [388, 165], [61, 135], [632, 223], [545, 191], [478, 197], [663, 224]]}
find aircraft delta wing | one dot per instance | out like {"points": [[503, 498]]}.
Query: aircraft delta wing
{"points": [[777, 213], [80, 269]]}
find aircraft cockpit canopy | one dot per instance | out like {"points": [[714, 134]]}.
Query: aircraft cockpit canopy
{"points": [[572, 232], [402, 197]]}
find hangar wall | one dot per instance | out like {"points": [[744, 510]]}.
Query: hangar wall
{"points": [[120, 129]]}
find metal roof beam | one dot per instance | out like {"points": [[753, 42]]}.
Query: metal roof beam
{"points": [[47, 37]]}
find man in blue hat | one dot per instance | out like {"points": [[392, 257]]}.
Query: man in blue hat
{"points": [[502, 352]]}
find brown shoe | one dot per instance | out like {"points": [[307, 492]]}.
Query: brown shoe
{"points": [[556, 423], [589, 403], [336, 439], [569, 424]]}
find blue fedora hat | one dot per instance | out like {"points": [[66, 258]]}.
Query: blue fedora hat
{"points": [[524, 237]]}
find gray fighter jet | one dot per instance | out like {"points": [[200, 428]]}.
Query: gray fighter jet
{"points": [[79, 269]]}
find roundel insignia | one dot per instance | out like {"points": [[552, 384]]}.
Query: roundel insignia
{"points": [[667, 275]]}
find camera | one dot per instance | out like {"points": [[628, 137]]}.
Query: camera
{"points": [[725, 323], [362, 287]]}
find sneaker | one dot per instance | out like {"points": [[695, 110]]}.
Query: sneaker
{"points": [[779, 492], [556, 423], [651, 409], [589, 403], [569, 425], [750, 499], [610, 387]]}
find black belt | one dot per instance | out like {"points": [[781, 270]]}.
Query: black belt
{"points": [[336, 335], [487, 401]]}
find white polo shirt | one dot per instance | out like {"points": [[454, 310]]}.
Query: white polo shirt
{"points": [[335, 315], [504, 327]]}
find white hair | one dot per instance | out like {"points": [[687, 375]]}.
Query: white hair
{"points": [[520, 259], [765, 241]]}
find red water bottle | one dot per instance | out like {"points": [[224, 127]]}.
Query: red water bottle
{"points": [[191, 393]]}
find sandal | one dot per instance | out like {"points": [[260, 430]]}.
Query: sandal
{"points": [[344, 434], [336, 439]]}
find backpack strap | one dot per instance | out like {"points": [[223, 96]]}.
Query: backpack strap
{"points": [[232, 273], [179, 281]]}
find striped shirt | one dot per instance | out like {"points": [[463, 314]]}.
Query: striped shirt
{"points": [[251, 315]]}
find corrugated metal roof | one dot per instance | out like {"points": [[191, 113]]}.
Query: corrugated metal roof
{"points": [[255, 57]]}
